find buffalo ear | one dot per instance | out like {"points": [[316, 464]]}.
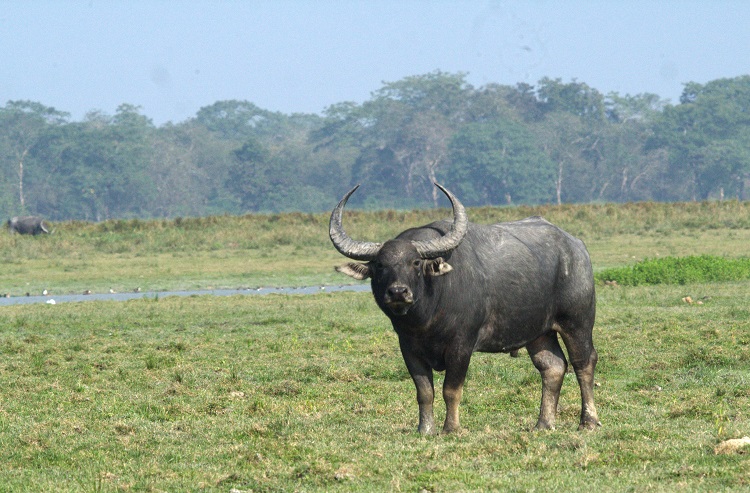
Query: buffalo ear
{"points": [[355, 270], [437, 267]]}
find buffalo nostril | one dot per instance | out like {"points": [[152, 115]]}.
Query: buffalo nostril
{"points": [[397, 290]]}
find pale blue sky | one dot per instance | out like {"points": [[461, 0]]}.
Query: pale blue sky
{"points": [[174, 57]]}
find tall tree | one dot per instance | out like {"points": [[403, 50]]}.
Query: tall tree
{"points": [[184, 183], [707, 137], [499, 162], [401, 134], [23, 124], [563, 138], [623, 170], [98, 169], [252, 175], [569, 120], [574, 97], [239, 120]]}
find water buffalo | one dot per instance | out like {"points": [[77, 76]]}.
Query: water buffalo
{"points": [[451, 289], [27, 225]]}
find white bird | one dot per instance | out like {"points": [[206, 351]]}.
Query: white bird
{"points": [[45, 292]]}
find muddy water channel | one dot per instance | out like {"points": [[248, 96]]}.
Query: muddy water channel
{"points": [[64, 298]]}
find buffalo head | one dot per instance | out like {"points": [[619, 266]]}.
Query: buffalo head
{"points": [[399, 268]]}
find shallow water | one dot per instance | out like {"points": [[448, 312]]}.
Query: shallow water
{"points": [[66, 298]]}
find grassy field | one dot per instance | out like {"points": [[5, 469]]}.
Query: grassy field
{"points": [[294, 249], [309, 393]]}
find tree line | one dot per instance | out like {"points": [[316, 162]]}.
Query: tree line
{"points": [[555, 142]]}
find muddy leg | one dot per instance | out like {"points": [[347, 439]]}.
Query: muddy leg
{"points": [[452, 395], [421, 373], [583, 357], [425, 399], [453, 387], [549, 359]]}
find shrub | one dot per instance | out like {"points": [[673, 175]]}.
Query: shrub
{"points": [[679, 270]]}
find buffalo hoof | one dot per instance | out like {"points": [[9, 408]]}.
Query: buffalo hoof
{"points": [[543, 425], [589, 425], [451, 430], [457, 432], [426, 429]]}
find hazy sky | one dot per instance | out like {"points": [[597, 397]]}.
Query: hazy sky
{"points": [[173, 57]]}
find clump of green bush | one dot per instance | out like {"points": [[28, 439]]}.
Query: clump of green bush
{"points": [[679, 270]]}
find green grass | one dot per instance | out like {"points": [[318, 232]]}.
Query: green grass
{"points": [[310, 393], [679, 270], [294, 249]]}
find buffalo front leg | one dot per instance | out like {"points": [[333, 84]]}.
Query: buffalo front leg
{"points": [[549, 359], [425, 400], [453, 387], [421, 373], [452, 395]]}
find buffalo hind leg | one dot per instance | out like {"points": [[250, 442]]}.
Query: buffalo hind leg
{"points": [[548, 358], [583, 357]]}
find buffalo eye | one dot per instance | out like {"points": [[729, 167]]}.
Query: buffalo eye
{"points": [[417, 264]]}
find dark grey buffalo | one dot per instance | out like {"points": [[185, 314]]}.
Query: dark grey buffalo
{"points": [[27, 225], [451, 289]]}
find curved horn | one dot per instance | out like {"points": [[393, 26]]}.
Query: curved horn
{"points": [[440, 247], [355, 250]]}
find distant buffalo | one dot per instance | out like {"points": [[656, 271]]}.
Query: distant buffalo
{"points": [[27, 225]]}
